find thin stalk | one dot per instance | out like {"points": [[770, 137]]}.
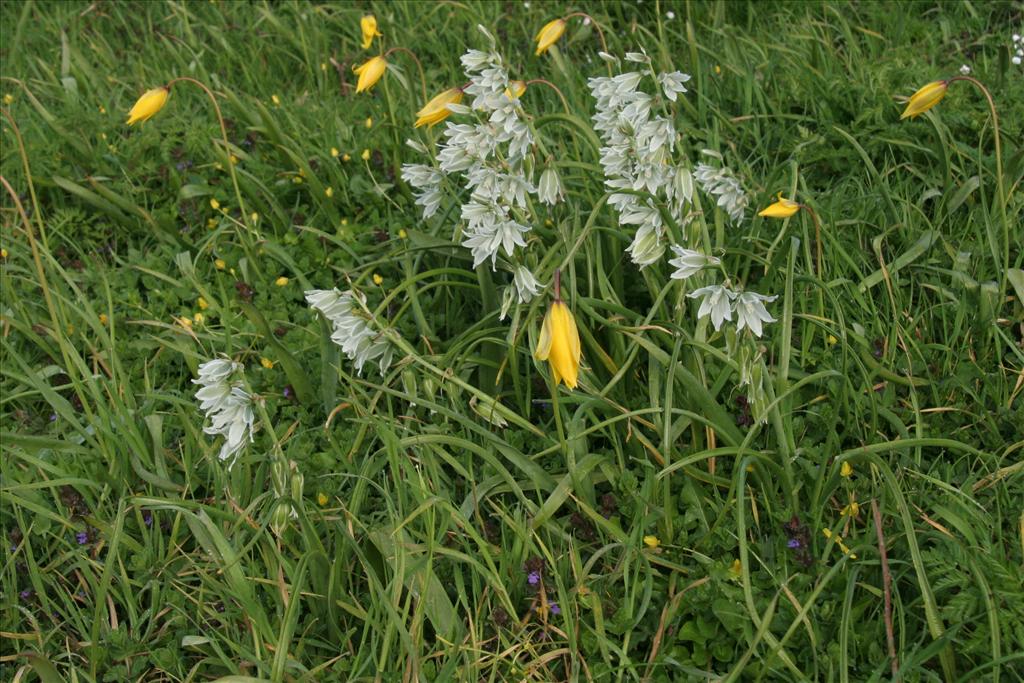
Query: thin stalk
{"points": [[600, 33], [423, 79]]}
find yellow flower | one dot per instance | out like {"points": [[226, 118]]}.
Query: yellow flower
{"points": [[323, 66], [103, 110], [515, 89], [652, 541], [185, 322], [736, 569], [559, 344], [369, 73], [924, 99], [211, 223], [368, 25], [378, 279], [8, 98], [335, 152], [402, 234], [549, 35], [220, 264], [147, 106], [369, 122], [281, 281], [436, 110], [344, 221], [3, 253], [199, 318], [321, 499], [276, 100], [254, 216], [297, 179], [851, 510], [329, 191], [783, 208], [831, 340], [214, 204], [846, 470], [103, 318], [346, 157], [365, 155], [202, 304], [267, 363]]}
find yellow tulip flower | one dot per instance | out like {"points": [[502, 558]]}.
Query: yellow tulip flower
{"points": [[783, 208], [368, 25], [147, 106], [559, 343], [924, 99], [515, 89], [436, 110], [549, 35], [369, 73]]}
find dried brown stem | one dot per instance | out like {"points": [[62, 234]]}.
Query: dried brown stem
{"points": [[886, 588]]}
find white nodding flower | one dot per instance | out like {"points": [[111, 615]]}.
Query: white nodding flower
{"points": [[672, 83], [716, 301], [721, 183], [228, 407], [689, 262], [351, 329], [638, 57], [427, 180], [526, 284], [611, 59], [549, 189], [750, 311]]}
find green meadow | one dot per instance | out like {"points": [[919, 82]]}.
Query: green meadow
{"points": [[528, 392]]}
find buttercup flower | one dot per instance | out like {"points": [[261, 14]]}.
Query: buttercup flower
{"points": [[369, 73], [549, 35], [559, 342], [147, 106], [652, 541], [924, 99], [846, 470], [436, 110], [368, 26], [781, 208]]}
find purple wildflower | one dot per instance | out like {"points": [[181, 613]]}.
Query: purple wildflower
{"points": [[26, 594], [53, 417], [82, 537], [555, 609], [147, 518], [793, 543], [533, 578]]}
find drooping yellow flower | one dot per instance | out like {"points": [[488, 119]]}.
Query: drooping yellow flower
{"points": [[267, 363], [549, 35], [559, 344], [782, 208], [846, 470], [322, 499], [369, 73], [281, 281], [924, 99], [368, 25], [365, 156], [652, 541], [202, 303], [147, 106], [220, 264], [515, 89], [436, 110]]}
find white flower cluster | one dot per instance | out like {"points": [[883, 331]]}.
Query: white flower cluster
{"points": [[637, 156], [352, 331], [489, 155], [721, 183], [227, 406]]}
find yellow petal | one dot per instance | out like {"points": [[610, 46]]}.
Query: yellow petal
{"points": [[369, 73], [368, 26], [924, 99], [549, 35], [147, 106], [544, 343], [515, 89], [436, 110], [783, 208]]}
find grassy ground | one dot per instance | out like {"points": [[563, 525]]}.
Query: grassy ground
{"points": [[133, 553]]}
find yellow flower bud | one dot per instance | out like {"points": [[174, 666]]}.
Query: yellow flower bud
{"points": [[369, 73], [846, 470], [652, 541], [783, 208], [103, 319], [559, 344], [147, 106], [365, 155], [335, 152], [378, 279], [329, 192], [202, 303], [276, 100], [214, 204], [436, 110], [267, 363], [924, 99], [321, 499], [368, 27], [549, 35], [369, 122], [220, 264], [281, 281]]}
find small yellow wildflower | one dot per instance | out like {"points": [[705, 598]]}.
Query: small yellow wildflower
{"points": [[3, 253], [211, 223], [103, 110], [851, 510], [335, 152], [103, 319], [652, 541], [736, 569], [369, 122], [436, 110], [103, 136], [839, 542], [831, 340], [219, 264], [365, 155], [783, 208], [559, 342], [515, 89], [368, 27], [8, 98], [321, 499], [214, 204], [369, 73], [329, 192], [402, 234], [846, 470], [185, 322], [281, 281], [266, 363], [202, 303], [276, 100], [378, 279], [924, 99], [323, 66], [344, 222], [297, 179], [148, 105], [254, 217], [198, 318], [549, 35], [718, 70]]}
